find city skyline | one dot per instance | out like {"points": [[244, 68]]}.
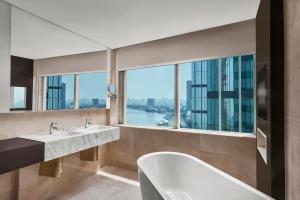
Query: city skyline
{"points": [[60, 91], [200, 85]]}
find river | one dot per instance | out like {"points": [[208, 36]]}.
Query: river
{"points": [[139, 117]]}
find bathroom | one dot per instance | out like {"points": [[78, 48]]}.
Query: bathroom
{"points": [[149, 100]]}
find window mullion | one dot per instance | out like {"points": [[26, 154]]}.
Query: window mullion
{"points": [[240, 92], [220, 94], [122, 96], [76, 91], [177, 96]]}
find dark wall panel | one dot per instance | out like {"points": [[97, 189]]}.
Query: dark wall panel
{"points": [[22, 76], [270, 53]]}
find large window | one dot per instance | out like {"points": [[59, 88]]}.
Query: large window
{"points": [[150, 96], [218, 94], [92, 90], [60, 92], [199, 95]]}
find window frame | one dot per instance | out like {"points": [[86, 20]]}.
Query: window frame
{"points": [[77, 91], [123, 93], [43, 89]]}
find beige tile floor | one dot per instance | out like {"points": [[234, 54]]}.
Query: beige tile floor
{"points": [[110, 184]]}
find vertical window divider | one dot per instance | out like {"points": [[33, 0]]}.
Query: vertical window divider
{"points": [[122, 96], [76, 92], [177, 96], [220, 92], [240, 93], [44, 99]]}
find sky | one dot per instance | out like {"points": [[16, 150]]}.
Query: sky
{"points": [[91, 85], [156, 82], [19, 94], [152, 82]]}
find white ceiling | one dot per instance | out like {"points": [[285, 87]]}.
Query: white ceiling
{"points": [[34, 38], [118, 23]]}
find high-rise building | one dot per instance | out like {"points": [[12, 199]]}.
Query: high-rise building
{"points": [[247, 97], [204, 95], [56, 93], [95, 102], [230, 94], [222, 94], [150, 102], [189, 95]]}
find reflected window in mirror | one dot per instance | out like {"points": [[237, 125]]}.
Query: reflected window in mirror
{"points": [[60, 92], [92, 90], [18, 98]]}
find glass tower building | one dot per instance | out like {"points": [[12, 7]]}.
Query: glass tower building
{"points": [[222, 94], [56, 93]]}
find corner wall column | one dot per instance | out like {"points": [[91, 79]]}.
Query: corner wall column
{"points": [[5, 53], [112, 78]]}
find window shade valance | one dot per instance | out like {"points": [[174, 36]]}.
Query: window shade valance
{"points": [[227, 40], [86, 62]]}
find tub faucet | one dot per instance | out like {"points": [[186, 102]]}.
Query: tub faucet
{"points": [[88, 122], [53, 127]]}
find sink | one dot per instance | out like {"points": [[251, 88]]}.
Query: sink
{"points": [[56, 135], [62, 143], [91, 129]]}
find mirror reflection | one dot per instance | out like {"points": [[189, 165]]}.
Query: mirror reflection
{"points": [[18, 97], [51, 68]]}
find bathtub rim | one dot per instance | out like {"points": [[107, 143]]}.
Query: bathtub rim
{"points": [[210, 167]]}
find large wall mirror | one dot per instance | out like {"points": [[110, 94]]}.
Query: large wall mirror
{"points": [[50, 67]]}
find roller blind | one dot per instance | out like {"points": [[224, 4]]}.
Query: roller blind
{"points": [[223, 41], [86, 62]]}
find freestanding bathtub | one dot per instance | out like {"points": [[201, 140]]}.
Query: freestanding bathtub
{"points": [[177, 176]]}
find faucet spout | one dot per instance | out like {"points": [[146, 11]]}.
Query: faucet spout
{"points": [[88, 122], [53, 127]]}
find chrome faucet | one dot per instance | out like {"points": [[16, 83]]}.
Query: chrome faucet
{"points": [[53, 127], [88, 122]]}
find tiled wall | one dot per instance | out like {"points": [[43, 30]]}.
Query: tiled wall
{"points": [[232, 154], [22, 123], [25, 183], [292, 98]]}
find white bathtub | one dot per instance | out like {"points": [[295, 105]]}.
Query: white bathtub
{"points": [[177, 176]]}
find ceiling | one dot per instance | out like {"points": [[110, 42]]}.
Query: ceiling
{"points": [[119, 23], [34, 38]]}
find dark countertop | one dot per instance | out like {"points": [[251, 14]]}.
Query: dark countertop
{"points": [[17, 153]]}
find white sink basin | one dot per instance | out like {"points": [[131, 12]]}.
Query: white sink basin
{"points": [[91, 129], [62, 143], [46, 137]]}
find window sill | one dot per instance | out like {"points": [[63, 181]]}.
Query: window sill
{"points": [[195, 131]]}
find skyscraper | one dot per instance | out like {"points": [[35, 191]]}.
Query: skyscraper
{"points": [[56, 93], [222, 94], [95, 102], [150, 102], [205, 107], [189, 95]]}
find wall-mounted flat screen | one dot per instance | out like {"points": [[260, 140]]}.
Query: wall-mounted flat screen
{"points": [[262, 93]]}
